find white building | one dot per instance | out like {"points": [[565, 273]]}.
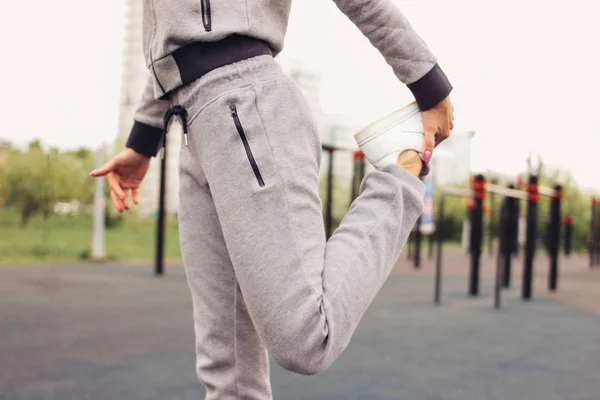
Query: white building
{"points": [[134, 78]]}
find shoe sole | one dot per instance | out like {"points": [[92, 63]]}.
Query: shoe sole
{"points": [[386, 123]]}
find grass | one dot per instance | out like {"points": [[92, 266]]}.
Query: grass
{"points": [[69, 239], [66, 238]]}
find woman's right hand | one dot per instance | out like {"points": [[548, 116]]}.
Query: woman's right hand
{"points": [[124, 173]]}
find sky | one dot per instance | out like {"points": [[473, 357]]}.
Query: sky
{"points": [[525, 73]]}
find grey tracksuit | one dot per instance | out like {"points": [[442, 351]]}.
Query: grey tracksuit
{"points": [[262, 276]]}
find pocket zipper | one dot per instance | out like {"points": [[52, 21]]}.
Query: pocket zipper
{"points": [[206, 17], [240, 130]]}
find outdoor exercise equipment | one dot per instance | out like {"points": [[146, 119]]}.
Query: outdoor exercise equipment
{"points": [[508, 223], [554, 236], [509, 230]]}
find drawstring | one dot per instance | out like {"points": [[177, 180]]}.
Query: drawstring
{"points": [[171, 112]]}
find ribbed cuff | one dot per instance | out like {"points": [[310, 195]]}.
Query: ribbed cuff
{"points": [[431, 89], [144, 139]]}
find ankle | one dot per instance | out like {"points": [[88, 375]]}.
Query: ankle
{"points": [[411, 161]]}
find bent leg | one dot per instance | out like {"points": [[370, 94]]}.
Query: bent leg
{"points": [[260, 150]]}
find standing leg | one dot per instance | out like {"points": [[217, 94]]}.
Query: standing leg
{"points": [[231, 361]]}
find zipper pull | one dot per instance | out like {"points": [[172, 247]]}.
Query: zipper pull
{"points": [[233, 110], [185, 138]]}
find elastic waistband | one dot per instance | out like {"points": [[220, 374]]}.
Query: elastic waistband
{"points": [[194, 60]]}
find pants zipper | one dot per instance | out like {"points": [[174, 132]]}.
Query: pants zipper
{"points": [[206, 16], [240, 130]]}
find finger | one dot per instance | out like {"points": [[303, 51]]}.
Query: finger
{"points": [[116, 201], [135, 195], [113, 182], [428, 145], [110, 166], [126, 203]]}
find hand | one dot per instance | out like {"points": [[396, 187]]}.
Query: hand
{"points": [[437, 122], [411, 161], [124, 172]]}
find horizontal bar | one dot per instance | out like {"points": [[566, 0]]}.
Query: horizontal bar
{"points": [[457, 192], [546, 191], [514, 193]]}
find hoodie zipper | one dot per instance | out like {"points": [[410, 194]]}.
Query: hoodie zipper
{"points": [[240, 130], [206, 16]]}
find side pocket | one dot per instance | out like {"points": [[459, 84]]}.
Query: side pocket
{"points": [[206, 15], [240, 130]]}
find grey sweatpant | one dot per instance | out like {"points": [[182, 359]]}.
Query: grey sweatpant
{"points": [[261, 274]]}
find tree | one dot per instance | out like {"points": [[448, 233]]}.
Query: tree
{"points": [[35, 180]]}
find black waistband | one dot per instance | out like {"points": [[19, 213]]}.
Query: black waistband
{"points": [[197, 59]]}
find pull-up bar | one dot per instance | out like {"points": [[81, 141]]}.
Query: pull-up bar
{"points": [[507, 192]]}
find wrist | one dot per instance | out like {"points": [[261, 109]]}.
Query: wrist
{"points": [[137, 153], [144, 139], [431, 89]]}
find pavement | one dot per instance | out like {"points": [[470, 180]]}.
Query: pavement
{"points": [[110, 331]]}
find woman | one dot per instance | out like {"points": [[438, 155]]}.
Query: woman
{"points": [[262, 276]]}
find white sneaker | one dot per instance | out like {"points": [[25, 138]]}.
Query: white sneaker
{"points": [[384, 140]]}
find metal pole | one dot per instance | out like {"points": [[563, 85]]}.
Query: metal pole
{"points": [[554, 236], [438, 263], [476, 233], [98, 237], [504, 251], [592, 240], [417, 245], [160, 229], [597, 235], [328, 210], [532, 208], [517, 205], [511, 219], [430, 241], [491, 223]]}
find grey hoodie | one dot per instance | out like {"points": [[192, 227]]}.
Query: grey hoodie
{"points": [[170, 25]]}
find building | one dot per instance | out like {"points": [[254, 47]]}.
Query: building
{"points": [[134, 78]]}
